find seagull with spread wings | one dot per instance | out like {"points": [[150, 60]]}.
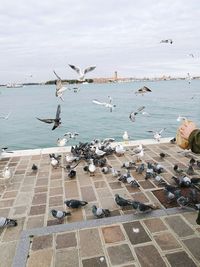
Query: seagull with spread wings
{"points": [[157, 135], [56, 121], [134, 113], [105, 104], [81, 73], [143, 90], [59, 87], [167, 41], [6, 116]]}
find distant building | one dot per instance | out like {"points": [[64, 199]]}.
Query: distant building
{"points": [[115, 76]]}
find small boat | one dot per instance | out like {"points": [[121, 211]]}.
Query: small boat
{"points": [[14, 85]]}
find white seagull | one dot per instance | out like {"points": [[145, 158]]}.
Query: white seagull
{"points": [[105, 104], [134, 113], [71, 135], [59, 87], [180, 118], [62, 141], [82, 73], [157, 135], [6, 116]]}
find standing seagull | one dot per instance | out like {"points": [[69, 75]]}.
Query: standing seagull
{"points": [[56, 121], [82, 73], [157, 135], [59, 87]]}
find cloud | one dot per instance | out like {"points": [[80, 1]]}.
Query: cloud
{"points": [[38, 36]]}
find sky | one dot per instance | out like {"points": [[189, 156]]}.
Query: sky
{"points": [[37, 37]]}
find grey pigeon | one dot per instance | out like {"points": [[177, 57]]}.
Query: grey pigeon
{"points": [[99, 212], [58, 214], [121, 201], [74, 203], [4, 222], [141, 207], [190, 170], [34, 167], [140, 168]]}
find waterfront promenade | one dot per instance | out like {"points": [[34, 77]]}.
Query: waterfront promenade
{"points": [[168, 236]]}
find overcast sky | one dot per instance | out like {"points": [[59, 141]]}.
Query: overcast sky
{"points": [[124, 35]]}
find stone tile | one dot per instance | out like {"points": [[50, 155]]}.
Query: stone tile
{"points": [[66, 240], [67, 258], [83, 178], [42, 242], [39, 199], [41, 189], [40, 258], [55, 183], [88, 194], [23, 197], [180, 259], [193, 244], [109, 203], [54, 222], [26, 188], [155, 225], [13, 233], [149, 256], [56, 201], [42, 174], [115, 185], [71, 189], [35, 222], [100, 184], [29, 181], [90, 243], [56, 191], [140, 197], [42, 182], [112, 234], [11, 194], [132, 189], [36, 210], [166, 241], [4, 212], [6, 203], [94, 262], [103, 192], [136, 238], [178, 225], [19, 210], [7, 253], [77, 216], [120, 254], [191, 217], [146, 184]]}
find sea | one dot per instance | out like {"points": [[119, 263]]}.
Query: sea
{"points": [[165, 103]]}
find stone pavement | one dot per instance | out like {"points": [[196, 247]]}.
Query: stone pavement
{"points": [[30, 197]]}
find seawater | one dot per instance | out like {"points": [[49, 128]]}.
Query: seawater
{"points": [[23, 131]]}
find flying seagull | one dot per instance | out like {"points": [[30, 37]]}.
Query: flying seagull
{"points": [[105, 104], [157, 135], [56, 121], [6, 116], [82, 73], [167, 41], [59, 87], [143, 90], [134, 113]]}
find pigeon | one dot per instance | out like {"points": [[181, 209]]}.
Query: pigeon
{"points": [[58, 214], [160, 180], [190, 170], [75, 204], [149, 171], [7, 173], [182, 181], [173, 140], [4, 222], [143, 90], [162, 155], [131, 180], [133, 114], [82, 73], [184, 202], [115, 173], [157, 135], [140, 168], [158, 168], [34, 167], [54, 160], [105, 170], [121, 201], [71, 135], [128, 165], [177, 170], [171, 193], [105, 104], [141, 207], [192, 161], [198, 164], [56, 121], [59, 87], [167, 41], [72, 174], [99, 212], [5, 117]]}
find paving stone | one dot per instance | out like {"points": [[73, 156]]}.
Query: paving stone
{"points": [[71, 189], [180, 259], [11, 194], [90, 243], [84, 179], [77, 215], [56, 191], [7, 253], [109, 203], [66, 240], [19, 210], [103, 192], [41, 189], [155, 225], [13, 233], [149, 256], [100, 184], [55, 183], [191, 217], [140, 197], [36, 210], [42, 242], [56, 201], [35, 222], [146, 184], [136, 238], [115, 185], [39, 199], [132, 189], [4, 212], [94, 262], [42, 182], [54, 222], [40, 258], [112, 234], [26, 188], [193, 244], [120, 254], [67, 258], [179, 226], [6, 203], [23, 197], [88, 194], [166, 241]]}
